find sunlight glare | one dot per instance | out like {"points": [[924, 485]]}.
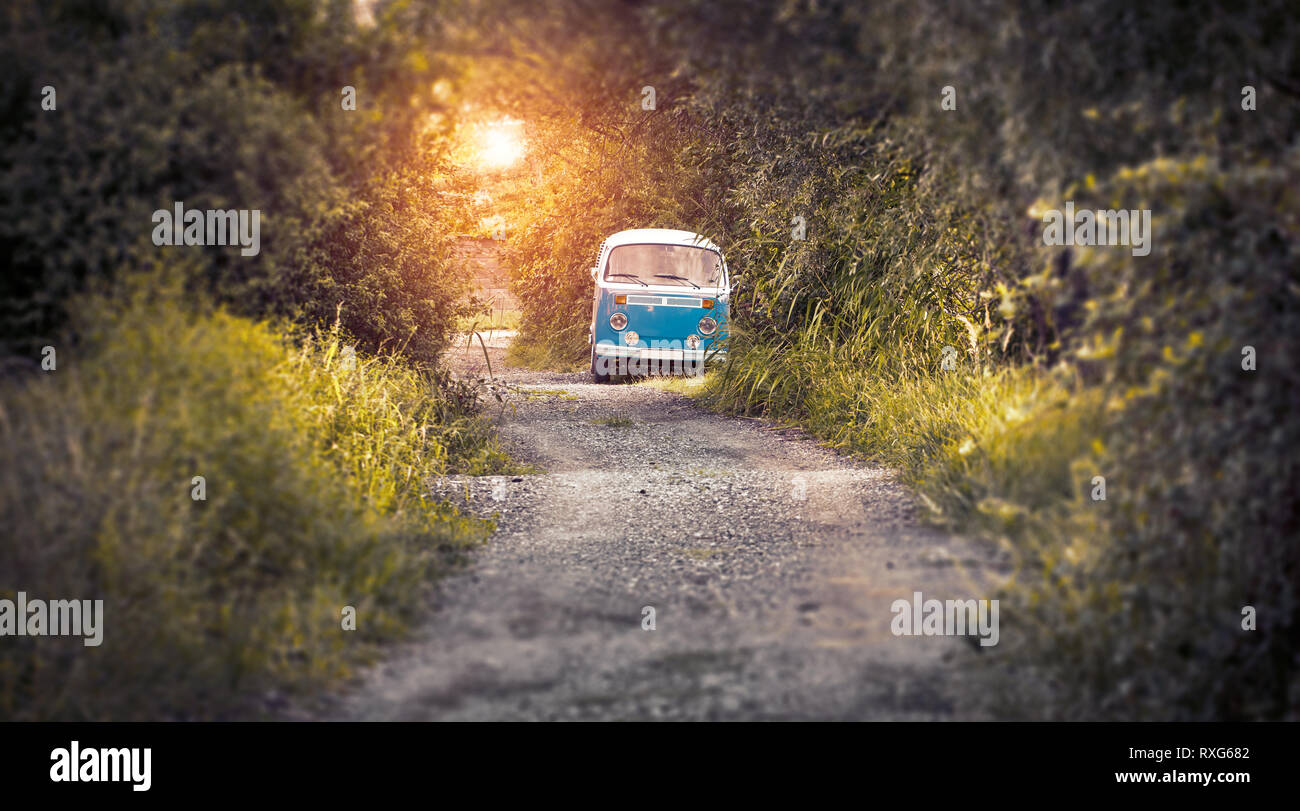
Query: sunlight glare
{"points": [[500, 145]]}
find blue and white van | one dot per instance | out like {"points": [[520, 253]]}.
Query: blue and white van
{"points": [[660, 304]]}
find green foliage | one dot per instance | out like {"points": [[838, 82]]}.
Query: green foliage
{"points": [[315, 465]]}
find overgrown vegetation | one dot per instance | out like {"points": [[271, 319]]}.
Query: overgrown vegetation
{"points": [[298, 384], [923, 242], [313, 463]]}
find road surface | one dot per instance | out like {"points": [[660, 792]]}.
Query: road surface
{"points": [[769, 562]]}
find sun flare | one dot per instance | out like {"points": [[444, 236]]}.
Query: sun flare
{"points": [[500, 145]]}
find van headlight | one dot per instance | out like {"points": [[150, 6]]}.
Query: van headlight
{"points": [[618, 320], [708, 326]]}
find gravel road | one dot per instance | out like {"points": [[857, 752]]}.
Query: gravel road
{"points": [[770, 564]]}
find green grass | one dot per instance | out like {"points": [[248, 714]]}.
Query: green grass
{"points": [[314, 465]]}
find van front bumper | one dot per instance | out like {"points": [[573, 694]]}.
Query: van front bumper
{"points": [[659, 353]]}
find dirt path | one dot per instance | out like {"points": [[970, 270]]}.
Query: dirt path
{"points": [[770, 563]]}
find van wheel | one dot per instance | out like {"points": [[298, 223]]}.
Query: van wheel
{"points": [[595, 375]]}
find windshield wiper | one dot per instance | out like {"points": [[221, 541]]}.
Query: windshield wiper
{"points": [[671, 276], [630, 276]]}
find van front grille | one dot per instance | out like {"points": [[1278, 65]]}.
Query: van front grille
{"points": [[667, 301]]}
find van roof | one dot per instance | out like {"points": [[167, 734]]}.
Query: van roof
{"points": [[658, 236]]}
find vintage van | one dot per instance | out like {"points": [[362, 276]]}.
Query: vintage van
{"points": [[660, 304]]}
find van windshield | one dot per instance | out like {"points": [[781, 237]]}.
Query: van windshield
{"points": [[682, 265]]}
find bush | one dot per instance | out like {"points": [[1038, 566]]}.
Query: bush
{"points": [[227, 105]]}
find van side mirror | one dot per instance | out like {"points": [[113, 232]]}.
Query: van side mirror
{"points": [[593, 272]]}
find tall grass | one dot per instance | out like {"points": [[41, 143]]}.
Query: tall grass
{"points": [[1128, 606], [314, 463], [1176, 595]]}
